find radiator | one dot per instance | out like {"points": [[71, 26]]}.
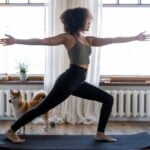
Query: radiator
{"points": [[5, 107], [130, 105]]}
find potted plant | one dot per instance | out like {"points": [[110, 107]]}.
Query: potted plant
{"points": [[22, 68]]}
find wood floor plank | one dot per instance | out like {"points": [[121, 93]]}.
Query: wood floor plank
{"points": [[68, 129]]}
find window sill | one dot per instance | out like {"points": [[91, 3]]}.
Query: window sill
{"points": [[125, 81], [104, 80], [22, 82], [124, 84], [14, 79]]}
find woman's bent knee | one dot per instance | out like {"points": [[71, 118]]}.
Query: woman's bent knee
{"points": [[110, 100]]}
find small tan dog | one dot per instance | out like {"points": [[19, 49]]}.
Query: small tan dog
{"points": [[20, 105]]}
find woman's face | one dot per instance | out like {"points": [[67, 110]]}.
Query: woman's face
{"points": [[87, 24]]}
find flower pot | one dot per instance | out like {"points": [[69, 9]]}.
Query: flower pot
{"points": [[23, 77]]}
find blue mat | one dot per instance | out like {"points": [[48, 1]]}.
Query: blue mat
{"points": [[80, 142]]}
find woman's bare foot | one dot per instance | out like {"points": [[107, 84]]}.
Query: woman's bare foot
{"points": [[100, 136], [10, 134]]}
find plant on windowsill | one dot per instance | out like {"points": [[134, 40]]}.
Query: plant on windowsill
{"points": [[22, 68]]}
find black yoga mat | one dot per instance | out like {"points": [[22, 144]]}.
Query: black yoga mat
{"points": [[80, 142]]}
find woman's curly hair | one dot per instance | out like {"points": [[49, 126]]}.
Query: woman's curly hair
{"points": [[74, 19]]}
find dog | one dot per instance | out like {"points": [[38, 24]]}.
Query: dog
{"points": [[20, 105]]}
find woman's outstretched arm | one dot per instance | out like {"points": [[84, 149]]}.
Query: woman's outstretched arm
{"points": [[55, 40], [95, 41]]}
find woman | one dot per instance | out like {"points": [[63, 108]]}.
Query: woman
{"points": [[72, 82]]}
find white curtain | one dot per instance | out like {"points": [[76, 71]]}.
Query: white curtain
{"points": [[73, 109]]}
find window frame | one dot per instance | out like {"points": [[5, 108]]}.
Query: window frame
{"points": [[13, 78], [28, 3], [118, 3], [125, 80], [105, 79]]}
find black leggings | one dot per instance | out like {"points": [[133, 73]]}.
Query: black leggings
{"points": [[71, 82]]}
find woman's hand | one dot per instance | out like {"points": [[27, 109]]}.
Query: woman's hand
{"points": [[143, 37], [8, 41]]}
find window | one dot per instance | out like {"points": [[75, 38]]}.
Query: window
{"points": [[2, 1], [128, 1], [22, 1], [110, 1], [145, 1], [17, 1], [22, 22], [130, 58]]}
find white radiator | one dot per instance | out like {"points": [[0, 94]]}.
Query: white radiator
{"points": [[130, 104], [5, 107]]}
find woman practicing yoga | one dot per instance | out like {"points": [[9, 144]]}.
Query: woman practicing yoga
{"points": [[72, 82]]}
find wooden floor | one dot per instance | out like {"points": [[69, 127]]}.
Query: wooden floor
{"points": [[112, 128]]}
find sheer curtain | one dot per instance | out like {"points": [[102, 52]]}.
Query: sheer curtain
{"points": [[72, 110]]}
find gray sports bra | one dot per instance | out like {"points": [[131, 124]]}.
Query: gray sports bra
{"points": [[79, 53]]}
